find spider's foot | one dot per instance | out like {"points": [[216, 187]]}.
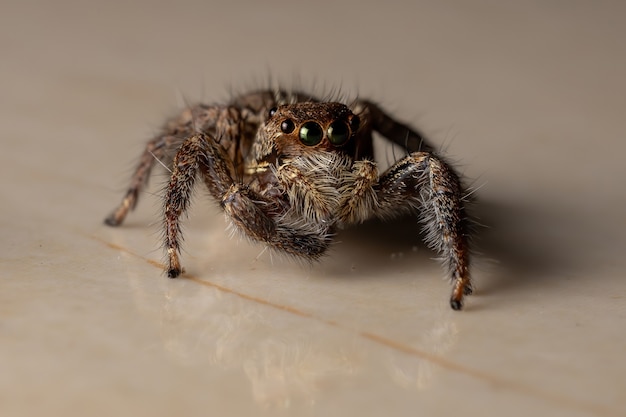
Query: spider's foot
{"points": [[462, 287], [113, 220], [173, 267], [173, 272], [456, 304], [117, 217]]}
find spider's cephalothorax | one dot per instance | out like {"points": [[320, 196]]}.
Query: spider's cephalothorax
{"points": [[288, 170]]}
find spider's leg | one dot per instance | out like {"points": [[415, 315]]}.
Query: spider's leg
{"points": [[156, 149], [190, 156], [422, 182], [375, 118], [258, 217], [162, 149], [297, 218], [263, 220]]}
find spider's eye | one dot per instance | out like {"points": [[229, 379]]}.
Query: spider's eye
{"points": [[338, 132], [287, 126], [311, 133], [273, 111], [355, 122]]}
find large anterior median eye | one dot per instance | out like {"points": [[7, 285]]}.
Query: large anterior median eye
{"points": [[311, 133], [338, 132]]}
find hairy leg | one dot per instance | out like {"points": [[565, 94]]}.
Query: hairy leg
{"points": [[375, 118], [191, 154], [423, 182], [262, 219], [156, 149], [161, 149]]}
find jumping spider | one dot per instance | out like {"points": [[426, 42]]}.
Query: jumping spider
{"points": [[288, 170]]}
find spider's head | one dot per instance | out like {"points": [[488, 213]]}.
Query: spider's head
{"points": [[305, 128]]}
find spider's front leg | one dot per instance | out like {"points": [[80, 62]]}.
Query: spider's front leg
{"points": [[199, 152], [423, 182], [264, 220], [258, 217]]}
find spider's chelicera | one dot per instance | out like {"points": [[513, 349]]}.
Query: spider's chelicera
{"points": [[289, 170]]}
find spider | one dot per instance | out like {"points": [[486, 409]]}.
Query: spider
{"points": [[288, 170]]}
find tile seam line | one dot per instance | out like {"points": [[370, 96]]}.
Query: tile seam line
{"points": [[555, 399]]}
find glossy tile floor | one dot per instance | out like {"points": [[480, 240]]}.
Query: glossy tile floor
{"points": [[528, 98]]}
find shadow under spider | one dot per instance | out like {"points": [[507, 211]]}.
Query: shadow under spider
{"points": [[536, 242], [517, 244]]}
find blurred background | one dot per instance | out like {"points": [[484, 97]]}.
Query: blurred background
{"points": [[528, 100]]}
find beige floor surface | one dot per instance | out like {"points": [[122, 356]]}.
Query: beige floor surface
{"points": [[528, 97]]}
